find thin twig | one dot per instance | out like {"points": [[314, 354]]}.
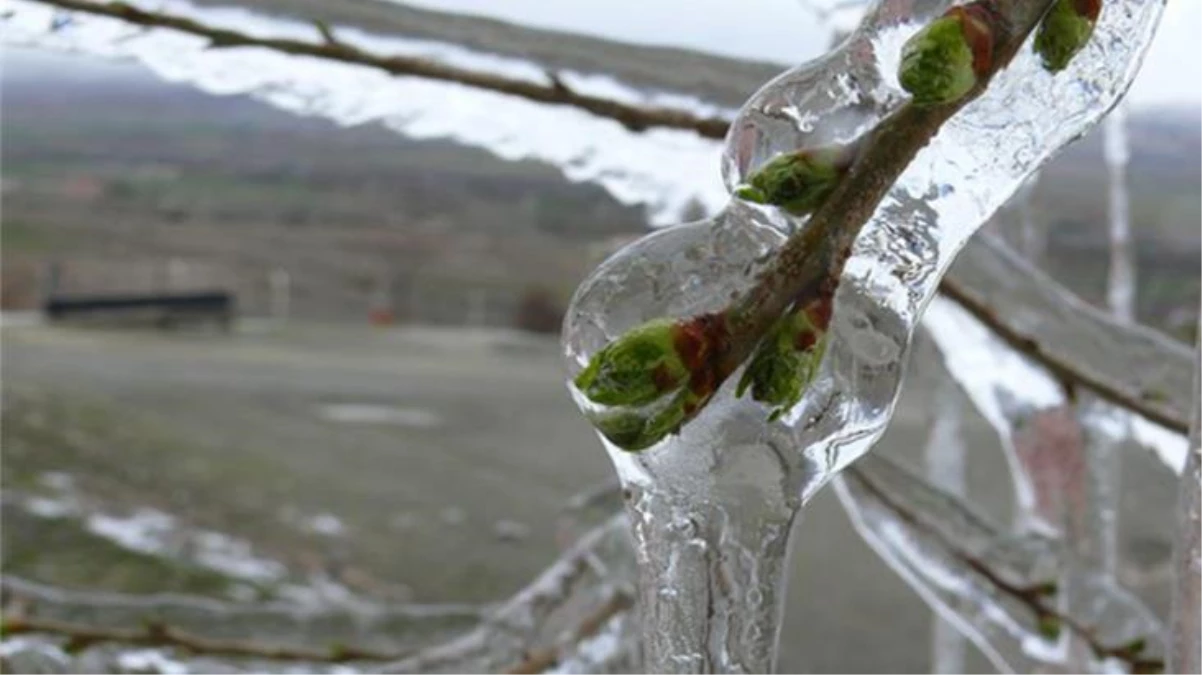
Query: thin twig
{"points": [[508, 635], [540, 660], [1019, 338], [631, 116], [1033, 597], [81, 636]]}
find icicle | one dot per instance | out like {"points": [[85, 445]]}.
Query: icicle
{"points": [[945, 467], [1120, 288], [1185, 648]]}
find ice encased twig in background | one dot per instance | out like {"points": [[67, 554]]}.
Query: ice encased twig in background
{"points": [[1120, 282], [945, 468], [635, 167], [1185, 649], [1062, 456], [948, 554], [918, 531]]}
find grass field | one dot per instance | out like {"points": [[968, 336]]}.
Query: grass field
{"points": [[418, 443]]}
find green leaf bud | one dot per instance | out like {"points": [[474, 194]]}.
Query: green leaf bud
{"points": [[634, 430], [798, 182], [1049, 626], [1065, 31], [787, 359], [944, 61], [637, 368]]}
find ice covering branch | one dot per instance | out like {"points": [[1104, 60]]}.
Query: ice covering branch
{"points": [[866, 490], [1156, 389], [80, 636], [275, 630], [577, 615], [636, 118], [1185, 648]]}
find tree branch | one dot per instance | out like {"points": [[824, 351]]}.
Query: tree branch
{"points": [[540, 660], [81, 636], [990, 291], [804, 272], [528, 630], [636, 118], [1036, 597], [384, 629], [1128, 365], [1185, 644], [574, 599]]}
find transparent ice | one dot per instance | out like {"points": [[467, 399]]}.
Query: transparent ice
{"points": [[635, 167], [1063, 457], [712, 507], [926, 536], [945, 468], [1120, 287], [1033, 235]]}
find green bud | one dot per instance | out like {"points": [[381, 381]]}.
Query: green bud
{"points": [[943, 61], [784, 363], [635, 430], [1046, 588], [1134, 647], [1064, 31], [75, 645], [1155, 395], [339, 652], [798, 182], [1049, 626], [636, 369]]}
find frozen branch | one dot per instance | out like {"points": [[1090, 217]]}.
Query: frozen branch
{"points": [[961, 553], [686, 360], [274, 626], [1028, 310], [540, 660], [1185, 643], [534, 629], [81, 636], [584, 596], [636, 118], [1131, 366]]}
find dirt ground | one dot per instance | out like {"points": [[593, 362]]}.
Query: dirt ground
{"points": [[444, 457]]}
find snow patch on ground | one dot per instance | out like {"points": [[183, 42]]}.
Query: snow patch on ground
{"points": [[370, 413], [154, 532]]}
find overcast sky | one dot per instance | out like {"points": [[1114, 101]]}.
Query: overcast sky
{"points": [[785, 31]]}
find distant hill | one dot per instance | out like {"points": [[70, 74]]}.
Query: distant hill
{"points": [[116, 176], [176, 172]]}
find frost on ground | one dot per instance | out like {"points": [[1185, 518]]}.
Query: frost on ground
{"points": [[153, 532]]}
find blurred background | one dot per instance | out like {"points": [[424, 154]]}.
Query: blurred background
{"points": [[364, 397]]}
